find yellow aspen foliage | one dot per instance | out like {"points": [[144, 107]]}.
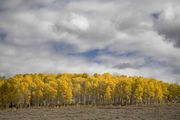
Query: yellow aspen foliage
{"points": [[25, 90], [108, 94], [65, 89]]}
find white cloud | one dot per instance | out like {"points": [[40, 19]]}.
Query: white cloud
{"points": [[169, 13], [129, 40], [80, 22]]}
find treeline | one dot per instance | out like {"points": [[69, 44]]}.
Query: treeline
{"points": [[26, 90]]}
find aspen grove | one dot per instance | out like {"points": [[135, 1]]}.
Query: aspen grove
{"points": [[36, 90]]}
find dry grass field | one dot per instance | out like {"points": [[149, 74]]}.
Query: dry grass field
{"points": [[152, 112]]}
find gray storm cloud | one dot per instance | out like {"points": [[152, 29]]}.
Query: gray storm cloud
{"points": [[168, 24]]}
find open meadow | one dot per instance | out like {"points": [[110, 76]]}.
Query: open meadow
{"points": [[150, 112]]}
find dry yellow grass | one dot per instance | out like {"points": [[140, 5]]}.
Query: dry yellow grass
{"points": [[150, 112]]}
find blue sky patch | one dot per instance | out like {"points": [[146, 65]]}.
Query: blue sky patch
{"points": [[63, 47], [3, 35], [156, 15]]}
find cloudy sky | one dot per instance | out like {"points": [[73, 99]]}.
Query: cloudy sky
{"points": [[129, 37]]}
